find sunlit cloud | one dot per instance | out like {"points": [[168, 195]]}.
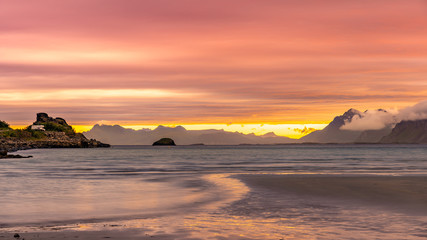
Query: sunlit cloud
{"points": [[91, 94], [304, 131], [217, 62], [57, 57]]}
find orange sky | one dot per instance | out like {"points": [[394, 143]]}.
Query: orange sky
{"points": [[203, 63]]}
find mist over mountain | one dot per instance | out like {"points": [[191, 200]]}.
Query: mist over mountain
{"points": [[380, 119], [118, 135], [338, 132], [332, 133]]}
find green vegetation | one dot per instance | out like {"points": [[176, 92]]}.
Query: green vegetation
{"points": [[4, 125], [52, 125], [29, 134], [24, 134], [56, 127], [37, 134]]}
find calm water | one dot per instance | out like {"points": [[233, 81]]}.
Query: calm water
{"points": [[165, 183]]}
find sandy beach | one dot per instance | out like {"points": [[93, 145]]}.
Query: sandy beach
{"points": [[85, 235], [396, 197], [400, 193]]}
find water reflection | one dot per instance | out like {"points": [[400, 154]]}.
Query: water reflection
{"points": [[243, 214]]}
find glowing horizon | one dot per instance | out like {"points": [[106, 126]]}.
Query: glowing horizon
{"points": [[285, 130]]}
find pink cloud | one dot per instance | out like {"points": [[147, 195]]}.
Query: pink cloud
{"points": [[276, 60]]}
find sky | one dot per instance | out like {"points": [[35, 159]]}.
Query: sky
{"points": [[243, 65]]}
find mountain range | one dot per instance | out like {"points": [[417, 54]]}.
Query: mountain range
{"points": [[118, 135], [335, 132]]}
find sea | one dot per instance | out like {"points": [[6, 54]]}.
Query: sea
{"points": [[192, 192]]}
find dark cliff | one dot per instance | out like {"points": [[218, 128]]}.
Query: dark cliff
{"points": [[408, 132]]}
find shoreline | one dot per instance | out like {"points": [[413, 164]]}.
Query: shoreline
{"points": [[13, 145], [406, 194], [222, 192], [403, 194]]}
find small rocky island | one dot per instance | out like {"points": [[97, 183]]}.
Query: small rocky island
{"points": [[3, 154], [45, 132], [164, 142]]}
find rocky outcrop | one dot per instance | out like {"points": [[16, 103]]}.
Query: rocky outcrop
{"points": [[58, 134], [15, 145], [3, 153], [14, 156], [53, 124], [408, 132], [44, 118], [164, 142]]}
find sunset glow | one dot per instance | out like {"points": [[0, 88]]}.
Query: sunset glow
{"points": [[284, 65]]}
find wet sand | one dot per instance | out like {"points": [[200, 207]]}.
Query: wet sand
{"points": [[401, 193], [83, 235], [123, 234]]}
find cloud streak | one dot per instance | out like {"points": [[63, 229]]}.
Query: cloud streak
{"points": [[304, 131], [246, 61]]}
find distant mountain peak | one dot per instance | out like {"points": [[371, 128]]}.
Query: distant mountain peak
{"points": [[333, 132], [270, 134], [342, 119], [352, 110], [106, 126], [179, 128], [378, 110], [351, 113]]}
